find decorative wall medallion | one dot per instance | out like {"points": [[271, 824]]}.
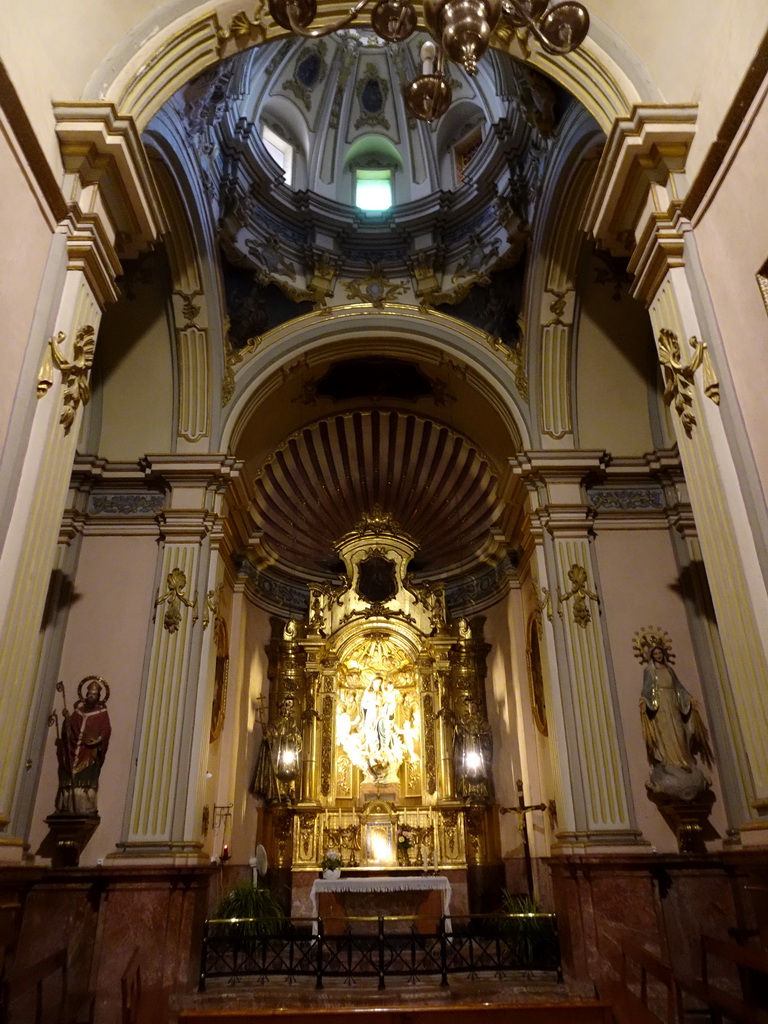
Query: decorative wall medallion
{"points": [[536, 677], [679, 376], [308, 72], [74, 374], [579, 591], [173, 598], [220, 679], [372, 93]]}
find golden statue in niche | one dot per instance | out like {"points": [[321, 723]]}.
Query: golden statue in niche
{"points": [[377, 714], [389, 727]]}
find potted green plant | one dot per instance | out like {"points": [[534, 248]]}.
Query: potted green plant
{"points": [[247, 912], [331, 864], [529, 931]]}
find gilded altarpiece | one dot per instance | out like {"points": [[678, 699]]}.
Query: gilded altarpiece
{"points": [[377, 743]]}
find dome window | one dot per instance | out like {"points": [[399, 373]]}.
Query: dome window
{"points": [[373, 189], [280, 151], [464, 150]]}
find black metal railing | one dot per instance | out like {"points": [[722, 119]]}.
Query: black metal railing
{"points": [[381, 947]]}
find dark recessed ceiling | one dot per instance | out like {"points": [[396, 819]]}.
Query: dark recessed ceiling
{"points": [[375, 377], [316, 486]]}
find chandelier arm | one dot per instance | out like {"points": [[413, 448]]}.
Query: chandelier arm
{"points": [[316, 33], [514, 8], [547, 47]]}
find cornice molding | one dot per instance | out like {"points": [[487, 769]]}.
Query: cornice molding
{"points": [[103, 150], [644, 150]]}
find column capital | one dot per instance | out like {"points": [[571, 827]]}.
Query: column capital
{"points": [[554, 478]]}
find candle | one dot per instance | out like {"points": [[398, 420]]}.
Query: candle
{"points": [[434, 858]]}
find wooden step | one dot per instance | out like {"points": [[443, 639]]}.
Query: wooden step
{"points": [[581, 1012]]}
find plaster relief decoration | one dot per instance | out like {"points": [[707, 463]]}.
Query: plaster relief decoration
{"points": [[675, 736], [243, 29], [376, 288], [221, 676], [173, 598], [128, 503], [74, 374], [372, 93], [309, 71], [579, 591], [762, 283], [542, 600], [536, 675], [679, 376]]}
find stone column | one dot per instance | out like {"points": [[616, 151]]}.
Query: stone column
{"points": [[112, 212], [649, 150], [163, 816], [598, 809]]}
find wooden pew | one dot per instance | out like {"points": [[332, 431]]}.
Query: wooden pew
{"points": [[631, 1008], [39, 994], [130, 989], [721, 1003]]}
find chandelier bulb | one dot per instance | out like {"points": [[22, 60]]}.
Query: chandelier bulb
{"points": [[428, 55]]}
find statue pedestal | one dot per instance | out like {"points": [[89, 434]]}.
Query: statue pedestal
{"points": [[686, 818], [68, 835]]}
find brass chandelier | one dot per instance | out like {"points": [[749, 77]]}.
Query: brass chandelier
{"points": [[460, 31]]}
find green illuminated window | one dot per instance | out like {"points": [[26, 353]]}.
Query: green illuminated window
{"points": [[373, 189]]}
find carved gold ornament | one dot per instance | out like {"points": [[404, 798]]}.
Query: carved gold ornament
{"points": [[679, 376], [579, 591], [74, 374], [375, 289], [762, 283], [244, 29], [221, 678], [174, 597], [542, 600]]}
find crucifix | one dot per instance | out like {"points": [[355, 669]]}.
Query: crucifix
{"points": [[521, 810]]}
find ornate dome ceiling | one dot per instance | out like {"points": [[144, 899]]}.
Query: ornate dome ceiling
{"points": [[437, 485], [464, 188], [465, 192]]}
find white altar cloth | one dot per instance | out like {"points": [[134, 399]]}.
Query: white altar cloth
{"points": [[404, 883]]}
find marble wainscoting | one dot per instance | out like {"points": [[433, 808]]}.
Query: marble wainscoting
{"points": [[101, 915], [662, 902]]}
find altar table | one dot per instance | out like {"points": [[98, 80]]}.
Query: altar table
{"points": [[328, 895]]}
